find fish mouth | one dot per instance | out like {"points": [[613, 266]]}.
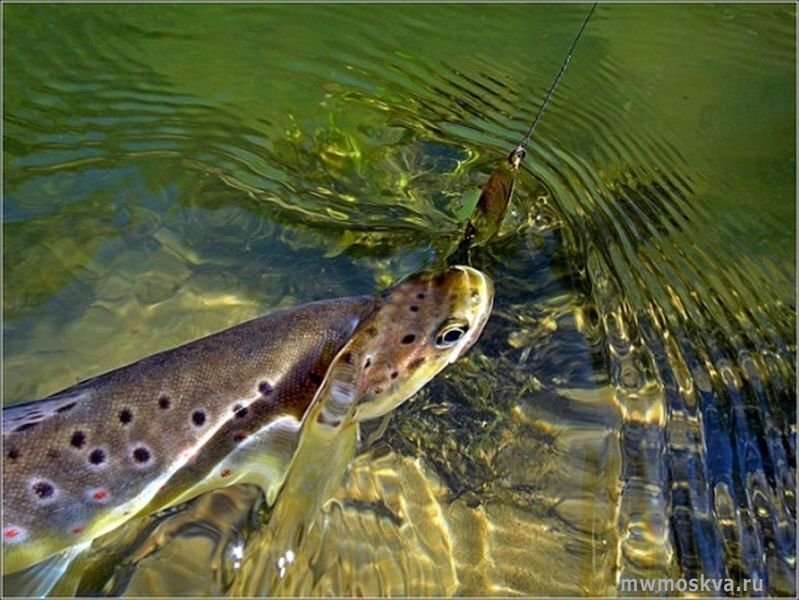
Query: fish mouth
{"points": [[478, 294]]}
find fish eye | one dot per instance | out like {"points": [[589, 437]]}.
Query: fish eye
{"points": [[451, 333]]}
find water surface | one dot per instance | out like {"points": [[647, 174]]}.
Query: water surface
{"points": [[630, 411]]}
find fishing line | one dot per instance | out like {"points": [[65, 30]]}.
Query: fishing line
{"points": [[515, 157], [495, 197]]}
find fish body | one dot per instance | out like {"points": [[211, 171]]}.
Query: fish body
{"points": [[222, 410], [423, 325], [85, 460]]}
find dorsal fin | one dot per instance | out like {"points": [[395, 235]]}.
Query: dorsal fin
{"points": [[23, 416]]}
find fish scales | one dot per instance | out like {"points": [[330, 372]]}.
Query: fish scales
{"points": [[84, 460]]}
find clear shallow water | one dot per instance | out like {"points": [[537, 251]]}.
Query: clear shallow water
{"points": [[173, 170]]}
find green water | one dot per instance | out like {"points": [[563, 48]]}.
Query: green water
{"points": [[172, 170]]}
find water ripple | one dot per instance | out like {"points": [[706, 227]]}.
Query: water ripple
{"points": [[663, 162]]}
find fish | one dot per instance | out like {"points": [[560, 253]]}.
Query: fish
{"points": [[391, 356], [221, 410]]}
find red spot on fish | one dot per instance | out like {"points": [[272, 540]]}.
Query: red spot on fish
{"points": [[11, 532], [77, 530], [321, 418], [100, 495], [225, 472]]}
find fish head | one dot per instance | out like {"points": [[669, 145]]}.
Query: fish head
{"points": [[422, 324]]}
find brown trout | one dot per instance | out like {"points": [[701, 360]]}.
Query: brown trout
{"points": [[224, 409]]}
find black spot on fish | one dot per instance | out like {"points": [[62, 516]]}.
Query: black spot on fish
{"points": [[370, 331], [368, 363], [265, 388], [416, 363], [241, 413], [13, 454], [421, 295], [66, 407], [97, 457], [394, 374], [378, 390], [78, 439], [414, 308], [198, 418], [25, 426], [408, 339], [141, 455], [43, 489], [125, 416], [164, 402], [315, 379], [347, 357]]}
